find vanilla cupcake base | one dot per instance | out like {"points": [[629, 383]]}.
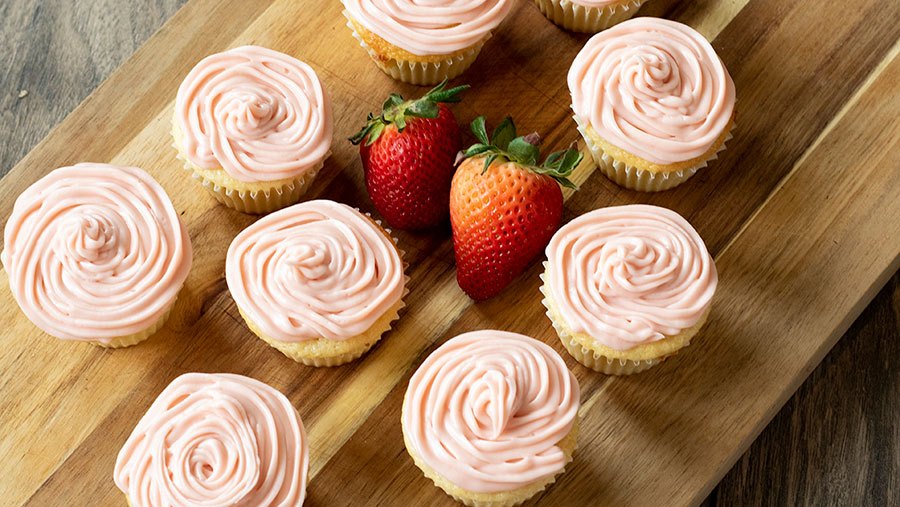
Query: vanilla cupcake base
{"points": [[257, 202], [600, 363], [580, 18], [598, 357], [255, 198], [427, 71], [632, 177], [325, 352], [501, 499], [133, 339]]}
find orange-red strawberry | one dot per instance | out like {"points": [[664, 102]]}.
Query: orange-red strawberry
{"points": [[408, 154], [504, 208]]}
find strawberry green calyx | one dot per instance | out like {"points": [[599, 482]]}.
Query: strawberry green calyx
{"points": [[523, 150], [396, 111]]}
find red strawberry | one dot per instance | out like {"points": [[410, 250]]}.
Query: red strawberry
{"points": [[408, 154], [504, 208]]}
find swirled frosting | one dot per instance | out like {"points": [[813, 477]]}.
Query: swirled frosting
{"points": [[487, 409], [653, 87], [95, 252], [215, 440], [429, 27], [629, 275], [259, 114], [319, 269]]}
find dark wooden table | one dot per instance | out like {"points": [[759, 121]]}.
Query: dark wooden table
{"points": [[835, 442]]}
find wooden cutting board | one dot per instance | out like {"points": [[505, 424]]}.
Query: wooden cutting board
{"points": [[802, 212]]}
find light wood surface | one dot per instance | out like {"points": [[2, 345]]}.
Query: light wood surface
{"points": [[801, 212]]}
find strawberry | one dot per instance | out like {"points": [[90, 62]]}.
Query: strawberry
{"points": [[504, 207], [408, 154]]}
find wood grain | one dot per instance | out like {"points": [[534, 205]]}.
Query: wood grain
{"points": [[837, 441], [58, 52], [790, 211]]}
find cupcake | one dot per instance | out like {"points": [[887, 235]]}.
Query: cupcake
{"points": [[653, 102], [254, 126], [589, 16], [215, 439], [96, 253], [319, 281], [491, 417], [627, 286], [424, 43]]}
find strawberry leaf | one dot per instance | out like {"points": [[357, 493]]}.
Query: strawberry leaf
{"points": [[504, 133], [479, 130], [423, 109], [566, 182], [523, 152], [374, 133], [400, 122], [359, 136], [562, 180], [570, 160], [488, 161], [397, 111], [476, 149], [392, 101], [559, 166], [553, 160], [439, 94]]}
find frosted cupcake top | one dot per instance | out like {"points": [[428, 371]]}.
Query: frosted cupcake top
{"points": [[215, 439], [95, 252], [487, 409], [258, 114], [429, 27], [653, 87], [630, 275], [318, 269]]}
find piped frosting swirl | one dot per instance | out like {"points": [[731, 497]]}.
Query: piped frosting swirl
{"points": [[319, 269], [215, 439], [628, 275], [653, 87], [259, 114], [95, 252], [429, 27], [487, 409]]}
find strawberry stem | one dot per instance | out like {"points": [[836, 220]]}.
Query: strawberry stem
{"points": [[397, 111], [523, 150]]}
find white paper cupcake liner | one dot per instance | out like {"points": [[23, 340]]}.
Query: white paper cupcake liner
{"points": [[327, 362], [261, 202], [341, 359], [636, 179], [580, 18], [600, 363], [255, 202], [438, 481], [420, 73], [585, 356], [374, 333]]}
